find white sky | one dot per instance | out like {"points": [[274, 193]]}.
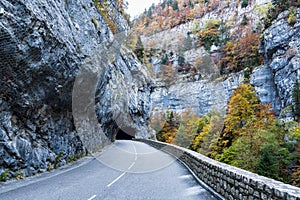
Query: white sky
{"points": [[136, 7]]}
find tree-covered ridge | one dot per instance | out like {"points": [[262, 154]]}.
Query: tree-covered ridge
{"points": [[249, 136], [171, 13], [231, 40]]}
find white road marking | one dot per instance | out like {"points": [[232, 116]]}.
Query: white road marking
{"points": [[135, 158], [93, 197], [135, 153], [116, 179], [131, 166]]}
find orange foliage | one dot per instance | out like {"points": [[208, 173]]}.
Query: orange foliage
{"points": [[242, 53]]}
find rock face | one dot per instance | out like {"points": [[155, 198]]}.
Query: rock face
{"points": [[281, 49], [45, 46], [273, 81], [201, 96]]}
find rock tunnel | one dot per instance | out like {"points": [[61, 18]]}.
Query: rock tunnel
{"points": [[124, 135]]}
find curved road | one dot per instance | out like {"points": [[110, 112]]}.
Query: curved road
{"points": [[125, 170]]}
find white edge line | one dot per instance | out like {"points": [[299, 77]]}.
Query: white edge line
{"points": [[116, 179], [93, 197], [135, 152]]}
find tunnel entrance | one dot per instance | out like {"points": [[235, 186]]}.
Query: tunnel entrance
{"points": [[121, 135]]}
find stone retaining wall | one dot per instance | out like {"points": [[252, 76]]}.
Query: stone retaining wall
{"points": [[229, 181]]}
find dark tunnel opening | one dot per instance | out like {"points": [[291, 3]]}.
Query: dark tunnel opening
{"points": [[121, 135]]}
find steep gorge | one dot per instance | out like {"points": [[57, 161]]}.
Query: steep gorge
{"points": [[51, 47]]}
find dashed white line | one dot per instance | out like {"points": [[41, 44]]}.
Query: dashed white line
{"points": [[135, 158], [131, 166], [93, 197], [116, 179]]}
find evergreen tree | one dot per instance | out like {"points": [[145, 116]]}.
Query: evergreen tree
{"points": [[244, 20], [170, 2], [187, 43], [163, 4], [175, 5], [164, 59], [191, 4], [244, 3], [181, 59], [139, 48]]}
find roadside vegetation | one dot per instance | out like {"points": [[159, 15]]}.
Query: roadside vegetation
{"points": [[249, 136]]}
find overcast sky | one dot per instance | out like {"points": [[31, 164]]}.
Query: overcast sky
{"points": [[136, 7]]}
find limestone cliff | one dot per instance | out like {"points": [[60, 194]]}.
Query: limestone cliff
{"points": [[45, 47], [273, 80]]}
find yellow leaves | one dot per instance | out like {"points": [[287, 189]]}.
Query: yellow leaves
{"points": [[242, 108], [296, 133]]}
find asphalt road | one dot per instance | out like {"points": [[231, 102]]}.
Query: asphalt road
{"points": [[125, 170]]}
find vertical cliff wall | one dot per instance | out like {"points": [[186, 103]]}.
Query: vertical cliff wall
{"points": [[45, 45], [281, 49]]}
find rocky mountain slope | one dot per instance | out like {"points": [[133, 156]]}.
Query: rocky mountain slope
{"points": [[48, 48], [273, 80]]}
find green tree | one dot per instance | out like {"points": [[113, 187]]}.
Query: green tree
{"points": [[164, 59], [187, 43], [139, 48], [244, 3], [244, 20], [191, 4], [181, 59], [272, 160], [175, 5]]}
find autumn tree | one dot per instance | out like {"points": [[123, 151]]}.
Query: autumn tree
{"points": [[169, 128], [210, 127], [241, 54], [242, 105], [210, 34], [188, 128], [252, 138]]}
